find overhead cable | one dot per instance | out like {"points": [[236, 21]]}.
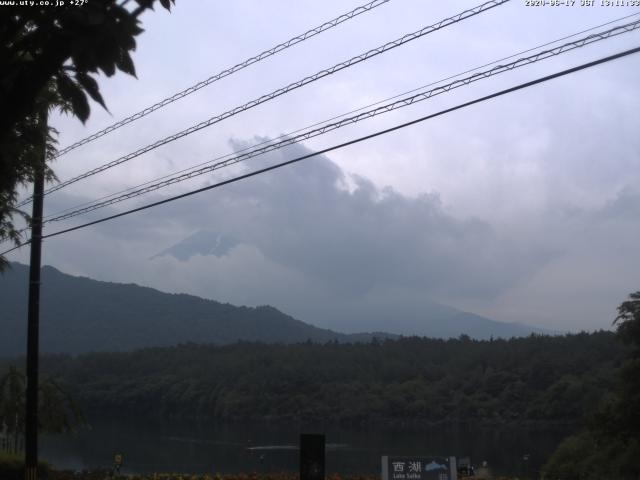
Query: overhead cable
{"points": [[289, 134], [281, 91], [225, 73], [404, 102], [345, 144]]}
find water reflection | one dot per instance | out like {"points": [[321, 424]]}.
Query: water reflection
{"points": [[240, 447]]}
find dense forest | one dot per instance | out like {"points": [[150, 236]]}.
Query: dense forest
{"points": [[608, 444], [522, 380]]}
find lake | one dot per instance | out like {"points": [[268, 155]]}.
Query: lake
{"points": [[243, 447]]}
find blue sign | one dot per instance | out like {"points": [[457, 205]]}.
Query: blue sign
{"points": [[419, 468]]}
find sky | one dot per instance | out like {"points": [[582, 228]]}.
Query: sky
{"points": [[522, 209]]}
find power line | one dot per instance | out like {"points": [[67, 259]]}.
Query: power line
{"points": [[288, 140], [345, 144], [288, 135], [543, 55], [229, 71], [281, 91], [15, 248]]}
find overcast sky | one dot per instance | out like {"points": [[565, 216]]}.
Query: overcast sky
{"points": [[524, 209]]}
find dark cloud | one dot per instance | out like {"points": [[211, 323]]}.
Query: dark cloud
{"points": [[352, 249], [358, 239], [532, 221]]}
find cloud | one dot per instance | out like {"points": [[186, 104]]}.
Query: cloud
{"points": [[336, 240], [596, 268], [520, 209], [334, 249]]}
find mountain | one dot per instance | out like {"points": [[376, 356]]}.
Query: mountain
{"points": [[79, 314], [435, 320], [396, 313], [203, 242]]}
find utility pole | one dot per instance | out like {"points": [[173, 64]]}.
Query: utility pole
{"points": [[33, 322]]}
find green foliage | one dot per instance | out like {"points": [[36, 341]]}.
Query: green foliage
{"points": [[609, 447], [418, 379], [628, 321], [48, 59], [586, 457], [57, 411], [12, 405], [22, 148]]}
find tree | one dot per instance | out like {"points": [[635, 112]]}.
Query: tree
{"points": [[628, 414], [51, 56], [609, 446], [628, 321], [58, 411], [12, 405]]}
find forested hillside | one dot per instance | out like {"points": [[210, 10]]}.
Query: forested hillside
{"points": [[533, 379], [81, 315]]}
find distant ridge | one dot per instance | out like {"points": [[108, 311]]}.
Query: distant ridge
{"points": [[396, 315], [81, 315]]}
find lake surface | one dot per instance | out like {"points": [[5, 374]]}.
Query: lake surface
{"points": [[241, 447]]}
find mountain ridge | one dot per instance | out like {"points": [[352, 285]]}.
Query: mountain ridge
{"points": [[80, 314], [101, 319]]}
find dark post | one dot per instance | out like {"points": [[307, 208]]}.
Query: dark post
{"points": [[31, 428], [311, 457]]}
